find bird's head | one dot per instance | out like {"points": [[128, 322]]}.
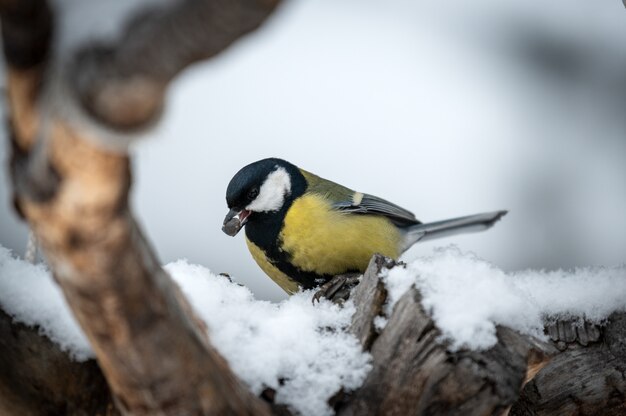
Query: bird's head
{"points": [[260, 187]]}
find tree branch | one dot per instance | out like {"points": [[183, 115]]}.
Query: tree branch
{"points": [[153, 351], [123, 85], [26, 32], [36, 377]]}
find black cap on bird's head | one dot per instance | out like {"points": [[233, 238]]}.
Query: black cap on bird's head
{"points": [[262, 186]]}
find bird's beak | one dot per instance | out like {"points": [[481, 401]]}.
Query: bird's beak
{"points": [[234, 221]]}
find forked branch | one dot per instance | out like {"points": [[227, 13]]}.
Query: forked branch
{"points": [[123, 85]]}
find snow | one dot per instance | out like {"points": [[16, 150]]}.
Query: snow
{"points": [[380, 322], [303, 350], [299, 349], [467, 296], [32, 297], [304, 345]]}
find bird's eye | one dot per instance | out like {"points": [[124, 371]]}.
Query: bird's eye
{"points": [[253, 193]]}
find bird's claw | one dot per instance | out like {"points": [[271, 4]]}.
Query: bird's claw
{"points": [[338, 288]]}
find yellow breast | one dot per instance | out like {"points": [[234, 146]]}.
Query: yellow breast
{"points": [[326, 241]]}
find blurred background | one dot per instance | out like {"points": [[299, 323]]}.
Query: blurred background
{"points": [[447, 108]]}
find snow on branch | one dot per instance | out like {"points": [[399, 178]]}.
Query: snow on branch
{"points": [[468, 297], [29, 293], [308, 353], [301, 351]]}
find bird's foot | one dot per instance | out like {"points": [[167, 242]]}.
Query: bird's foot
{"points": [[338, 288]]}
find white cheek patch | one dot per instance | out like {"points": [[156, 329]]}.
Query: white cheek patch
{"points": [[272, 193]]}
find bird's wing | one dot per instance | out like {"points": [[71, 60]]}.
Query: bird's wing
{"points": [[346, 200], [370, 204]]}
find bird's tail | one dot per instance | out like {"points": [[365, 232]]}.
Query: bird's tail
{"points": [[445, 228]]}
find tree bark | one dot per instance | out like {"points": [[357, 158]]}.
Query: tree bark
{"points": [[37, 378], [586, 378], [580, 371], [415, 374]]}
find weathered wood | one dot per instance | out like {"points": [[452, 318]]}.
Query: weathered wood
{"points": [[563, 332], [369, 297], [415, 374], [583, 379], [37, 378]]}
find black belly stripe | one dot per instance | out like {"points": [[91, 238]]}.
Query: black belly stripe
{"points": [[263, 229], [308, 280]]}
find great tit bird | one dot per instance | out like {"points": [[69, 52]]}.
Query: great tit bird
{"points": [[302, 229]]}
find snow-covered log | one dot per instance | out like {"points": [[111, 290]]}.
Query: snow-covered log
{"points": [[578, 370], [415, 373], [408, 366]]}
